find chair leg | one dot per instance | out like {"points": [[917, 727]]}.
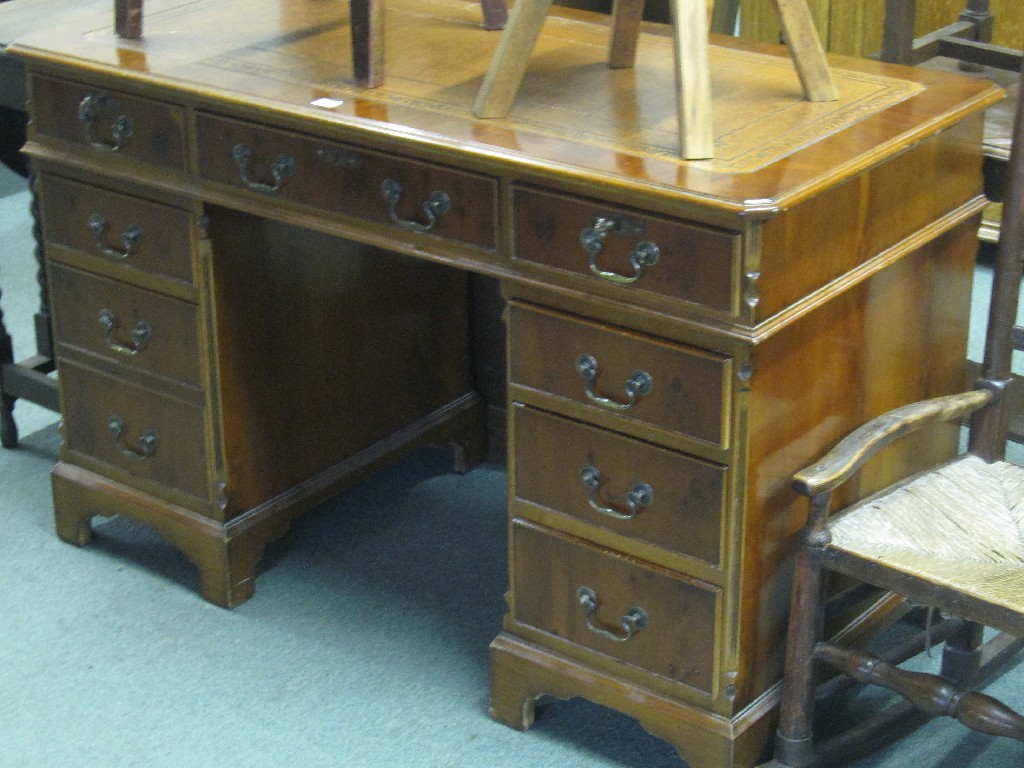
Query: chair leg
{"points": [[978, 13], [367, 29], [898, 31], [794, 747], [806, 49], [626, 18], [693, 79], [128, 18], [961, 655], [505, 75]]}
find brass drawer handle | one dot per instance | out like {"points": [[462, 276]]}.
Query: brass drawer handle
{"points": [[437, 205], [121, 129], [148, 443], [638, 497], [141, 334], [629, 625], [129, 238], [639, 384], [281, 170], [645, 254]]}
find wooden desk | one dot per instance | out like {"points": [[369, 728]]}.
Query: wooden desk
{"points": [[253, 307]]}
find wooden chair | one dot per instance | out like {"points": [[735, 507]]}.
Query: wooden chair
{"points": [[968, 43], [948, 538], [693, 79], [968, 40]]}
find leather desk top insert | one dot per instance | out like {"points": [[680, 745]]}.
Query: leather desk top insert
{"points": [[248, 256]]}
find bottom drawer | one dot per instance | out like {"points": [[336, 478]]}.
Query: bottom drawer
{"points": [[634, 612], [141, 432]]}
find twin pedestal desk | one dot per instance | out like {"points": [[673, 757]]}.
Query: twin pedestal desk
{"points": [[260, 286]]}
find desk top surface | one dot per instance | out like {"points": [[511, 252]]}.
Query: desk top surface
{"points": [[573, 116]]}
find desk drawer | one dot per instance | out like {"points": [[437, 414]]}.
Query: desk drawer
{"points": [[666, 385], [144, 433], [634, 251], [633, 488], [109, 123], [116, 230], [142, 329], [348, 180], [550, 572]]}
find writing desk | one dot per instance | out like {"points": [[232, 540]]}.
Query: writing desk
{"points": [[258, 277]]}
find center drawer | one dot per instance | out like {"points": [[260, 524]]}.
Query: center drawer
{"points": [[407, 194], [617, 606], [668, 386]]}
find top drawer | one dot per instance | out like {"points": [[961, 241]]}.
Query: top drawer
{"points": [[116, 233], [109, 122], [625, 248], [414, 196]]}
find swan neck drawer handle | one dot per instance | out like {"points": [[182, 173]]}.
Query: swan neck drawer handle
{"points": [[640, 383], [629, 625], [130, 238], [645, 254], [638, 497], [436, 206], [147, 443], [121, 129], [141, 334], [282, 169]]}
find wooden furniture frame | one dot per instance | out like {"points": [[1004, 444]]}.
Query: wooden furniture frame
{"points": [[258, 277], [968, 40], [977, 589], [693, 77]]}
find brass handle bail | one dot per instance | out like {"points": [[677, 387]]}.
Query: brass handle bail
{"points": [[282, 169], [645, 254], [436, 206], [639, 496], [640, 383], [121, 129], [629, 625]]}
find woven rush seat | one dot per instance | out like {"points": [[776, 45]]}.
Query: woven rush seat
{"points": [[921, 529]]}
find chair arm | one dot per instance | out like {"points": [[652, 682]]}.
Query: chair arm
{"points": [[860, 445]]}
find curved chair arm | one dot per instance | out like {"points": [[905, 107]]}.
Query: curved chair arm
{"points": [[860, 445]]}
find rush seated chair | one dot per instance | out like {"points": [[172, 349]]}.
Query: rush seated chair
{"points": [[951, 538]]}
